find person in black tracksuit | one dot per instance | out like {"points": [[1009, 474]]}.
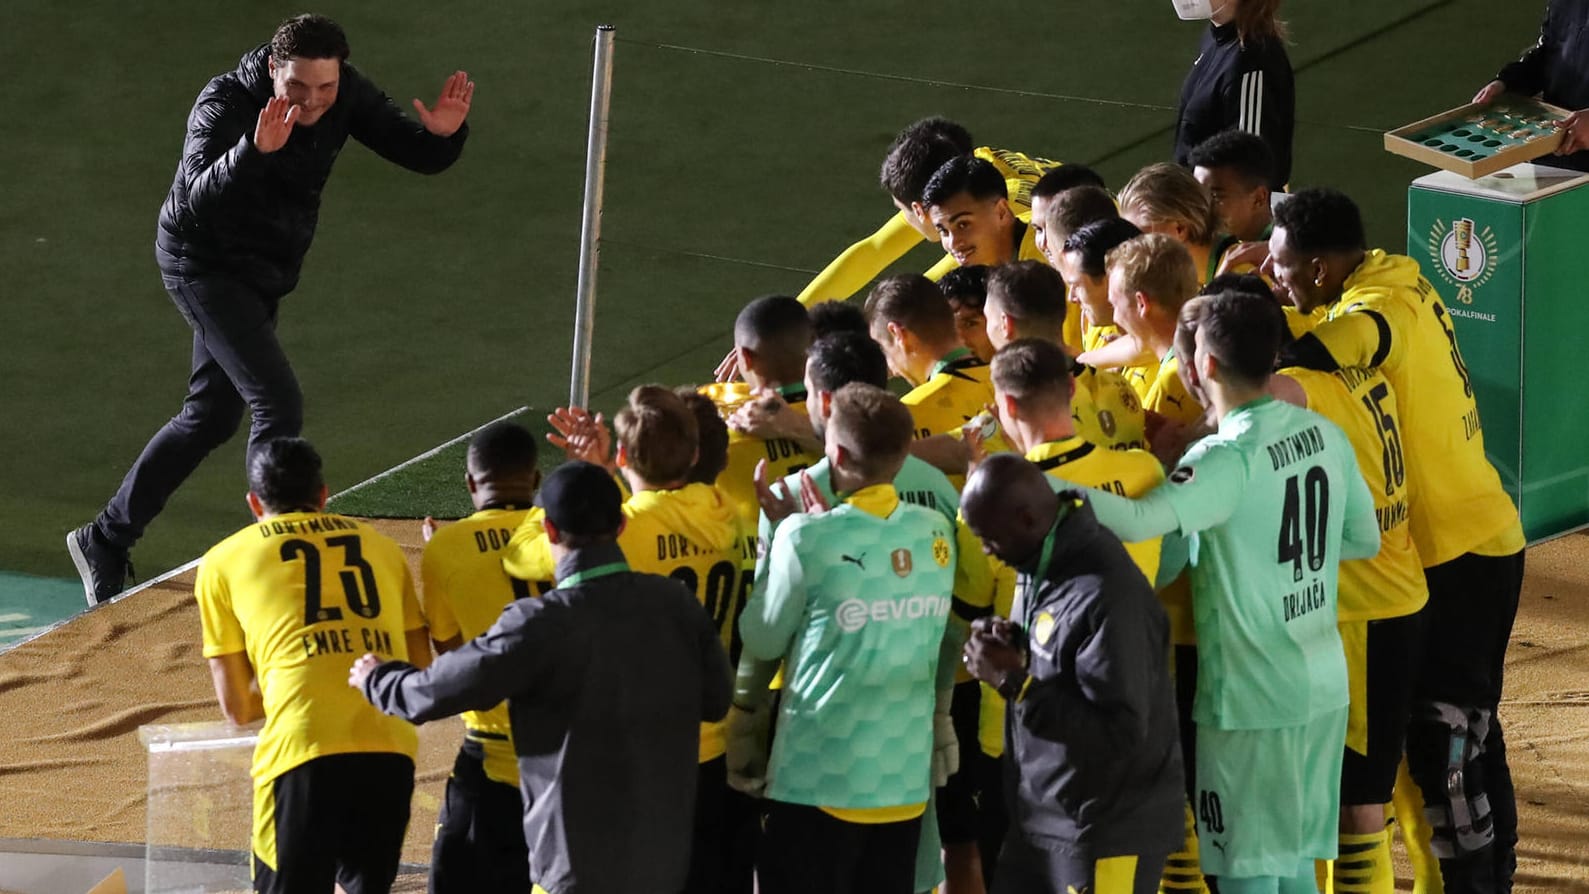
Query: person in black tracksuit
{"points": [[233, 232], [1093, 777], [1556, 68], [607, 679], [1242, 79]]}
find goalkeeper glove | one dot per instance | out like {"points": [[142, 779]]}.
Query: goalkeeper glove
{"points": [[945, 745], [747, 748]]}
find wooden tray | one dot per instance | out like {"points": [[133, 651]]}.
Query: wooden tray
{"points": [[1475, 140]]}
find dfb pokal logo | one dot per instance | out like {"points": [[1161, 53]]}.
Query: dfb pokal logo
{"points": [[1464, 255]]}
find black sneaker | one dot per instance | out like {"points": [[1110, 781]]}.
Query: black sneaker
{"points": [[104, 568]]}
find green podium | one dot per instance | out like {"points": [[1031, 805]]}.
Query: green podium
{"points": [[1508, 254]]}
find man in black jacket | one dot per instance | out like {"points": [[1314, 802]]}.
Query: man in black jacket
{"points": [[1556, 68], [1092, 761], [607, 679], [232, 237]]}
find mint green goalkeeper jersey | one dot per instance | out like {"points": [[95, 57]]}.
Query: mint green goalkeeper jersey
{"points": [[1270, 505], [855, 601]]}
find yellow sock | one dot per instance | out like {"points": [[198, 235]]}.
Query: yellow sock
{"points": [[1181, 871], [1363, 866], [1416, 834]]}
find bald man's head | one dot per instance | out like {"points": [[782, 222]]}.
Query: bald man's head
{"points": [[1009, 504]]}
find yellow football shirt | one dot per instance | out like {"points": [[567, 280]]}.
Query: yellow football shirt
{"points": [[1129, 473], [462, 590], [958, 388], [1106, 411], [1389, 316], [783, 456], [1167, 395], [1095, 337], [1363, 404], [692, 534]]}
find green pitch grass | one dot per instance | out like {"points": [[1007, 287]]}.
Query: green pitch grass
{"points": [[745, 142]]}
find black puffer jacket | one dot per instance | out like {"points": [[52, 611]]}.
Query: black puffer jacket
{"points": [[236, 211], [1557, 67]]}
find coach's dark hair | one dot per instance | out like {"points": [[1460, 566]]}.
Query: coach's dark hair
{"points": [[503, 450], [1242, 330], [711, 455], [915, 303], [309, 36], [1064, 178], [838, 359], [1032, 294], [1239, 282], [965, 174], [832, 317], [966, 285], [1244, 154], [1075, 208], [778, 329], [1321, 221], [1033, 371], [285, 474], [918, 152], [1093, 242]]}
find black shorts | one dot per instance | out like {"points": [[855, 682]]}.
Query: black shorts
{"points": [[1027, 865], [957, 800], [805, 849], [339, 818], [1389, 667], [1472, 604], [479, 833], [993, 819]]}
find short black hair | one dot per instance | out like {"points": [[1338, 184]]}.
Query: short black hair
{"points": [[838, 359], [1242, 330], [915, 303], [1239, 282], [309, 36], [917, 152], [1093, 242], [1031, 293], [1321, 220], [830, 317], [503, 450], [778, 328], [711, 454], [1245, 154], [1064, 178], [965, 174], [285, 474], [966, 285]]}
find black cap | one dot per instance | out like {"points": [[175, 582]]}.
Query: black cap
{"points": [[581, 498]]}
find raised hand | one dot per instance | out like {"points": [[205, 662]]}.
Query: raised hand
{"points": [[427, 528], [728, 370], [811, 495], [275, 124], [774, 498], [451, 107], [580, 435]]}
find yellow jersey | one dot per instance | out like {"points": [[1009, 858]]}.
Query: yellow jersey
{"points": [[784, 457], [1167, 395], [303, 595], [692, 534], [866, 260], [958, 388], [1095, 337], [1363, 404], [462, 591], [1301, 324], [1389, 316], [1105, 410], [1129, 473]]}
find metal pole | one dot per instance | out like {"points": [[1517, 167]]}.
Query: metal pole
{"points": [[590, 229]]}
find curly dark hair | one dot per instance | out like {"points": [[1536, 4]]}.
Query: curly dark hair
{"points": [[309, 36]]}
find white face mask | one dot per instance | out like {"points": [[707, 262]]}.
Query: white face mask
{"points": [[1194, 10]]}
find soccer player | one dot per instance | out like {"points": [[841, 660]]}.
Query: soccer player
{"points": [[854, 601], [690, 532], [241, 214], [1081, 264], [1150, 277], [480, 830], [1236, 167], [911, 321], [771, 335], [967, 290], [1027, 300], [607, 679], [969, 205], [1094, 766], [286, 605], [1064, 213], [1271, 503], [1165, 198], [1382, 313]]}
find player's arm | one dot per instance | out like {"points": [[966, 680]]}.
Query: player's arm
{"points": [[1201, 493], [973, 580], [777, 600], [862, 262], [528, 556], [378, 123], [236, 689], [941, 269], [436, 605], [946, 453], [219, 152], [1363, 336], [1123, 351]]}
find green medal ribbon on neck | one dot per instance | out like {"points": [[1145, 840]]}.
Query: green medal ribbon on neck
{"points": [[948, 361], [590, 574]]}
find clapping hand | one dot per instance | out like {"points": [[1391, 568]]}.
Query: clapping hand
{"points": [[774, 497], [275, 124], [451, 107], [580, 435]]}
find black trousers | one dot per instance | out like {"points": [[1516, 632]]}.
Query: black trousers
{"points": [[804, 850], [237, 364], [479, 847]]}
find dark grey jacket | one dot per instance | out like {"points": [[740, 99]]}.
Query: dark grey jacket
{"points": [[1557, 67], [607, 683], [1093, 759], [236, 211]]}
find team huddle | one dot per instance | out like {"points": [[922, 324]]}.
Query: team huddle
{"points": [[1180, 544]]}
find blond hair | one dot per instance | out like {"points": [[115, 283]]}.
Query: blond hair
{"points": [[659, 435], [1156, 265], [1166, 194]]}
